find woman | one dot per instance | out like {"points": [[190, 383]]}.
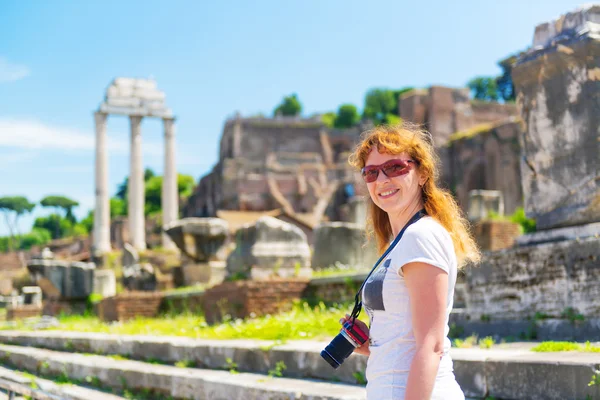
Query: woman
{"points": [[409, 296]]}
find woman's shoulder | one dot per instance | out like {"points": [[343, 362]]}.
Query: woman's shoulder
{"points": [[428, 228]]}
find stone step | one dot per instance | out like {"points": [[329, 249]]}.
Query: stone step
{"points": [[61, 391], [505, 371], [180, 383]]}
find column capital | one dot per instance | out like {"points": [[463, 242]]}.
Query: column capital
{"points": [[171, 119]]}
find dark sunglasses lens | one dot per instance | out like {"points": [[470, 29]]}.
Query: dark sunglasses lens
{"points": [[395, 168], [370, 175]]}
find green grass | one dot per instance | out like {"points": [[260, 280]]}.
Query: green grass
{"points": [[546, 347], [337, 271], [302, 322]]}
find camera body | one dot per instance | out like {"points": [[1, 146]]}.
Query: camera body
{"points": [[349, 338]]}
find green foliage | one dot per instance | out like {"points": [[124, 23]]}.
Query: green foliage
{"points": [[185, 364], [347, 116], [37, 237], [278, 370], [519, 217], [379, 103], [552, 346], [487, 342], [301, 322], [360, 378], [231, 366], [467, 342], [55, 224], [88, 222], [484, 88], [61, 202], [572, 315], [595, 379], [289, 106], [382, 105], [118, 207], [14, 206], [328, 119], [528, 225]]}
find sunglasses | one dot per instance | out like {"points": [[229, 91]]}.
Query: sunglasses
{"points": [[390, 169]]}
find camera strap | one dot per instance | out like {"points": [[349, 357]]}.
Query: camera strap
{"points": [[358, 303]]}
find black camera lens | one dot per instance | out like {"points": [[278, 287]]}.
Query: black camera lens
{"points": [[338, 350]]}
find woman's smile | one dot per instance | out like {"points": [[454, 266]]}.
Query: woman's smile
{"points": [[388, 193]]}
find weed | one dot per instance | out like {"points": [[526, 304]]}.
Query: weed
{"points": [[485, 318], [487, 342], [185, 364], [278, 370], [595, 379], [467, 342], [572, 315], [360, 378], [231, 366]]}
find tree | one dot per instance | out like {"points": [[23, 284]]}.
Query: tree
{"points": [[64, 203], [382, 105], [153, 195], [17, 205], [328, 119], [123, 187], [61, 202], [290, 106], [504, 82], [484, 88], [57, 225], [347, 116]]}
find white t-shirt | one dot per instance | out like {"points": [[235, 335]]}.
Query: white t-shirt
{"points": [[386, 301]]}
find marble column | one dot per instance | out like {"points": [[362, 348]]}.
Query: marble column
{"points": [[170, 198], [102, 209], [137, 229]]}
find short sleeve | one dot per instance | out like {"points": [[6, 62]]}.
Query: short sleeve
{"points": [[429, 246]]}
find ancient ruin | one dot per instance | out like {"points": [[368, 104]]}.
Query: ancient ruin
{"points": [[552, 274], [137, 99]]}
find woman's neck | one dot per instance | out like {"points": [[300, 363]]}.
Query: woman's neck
{"points": [[400, 219]]}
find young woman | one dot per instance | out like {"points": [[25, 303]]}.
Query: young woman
{"points": [[409, 296]]}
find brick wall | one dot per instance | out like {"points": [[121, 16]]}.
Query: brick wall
{"points": [[130, 305], [496, 235], [23, 311], [241, 298]]}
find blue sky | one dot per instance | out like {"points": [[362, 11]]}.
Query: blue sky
{"points": [[213, 59]]}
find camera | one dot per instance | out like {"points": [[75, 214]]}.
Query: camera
{"points": [[349, 338]]}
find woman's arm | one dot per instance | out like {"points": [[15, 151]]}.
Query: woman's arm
{"points": [[428, 288]]}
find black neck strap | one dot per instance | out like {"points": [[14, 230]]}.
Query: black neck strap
{"points": [[358, 303]]}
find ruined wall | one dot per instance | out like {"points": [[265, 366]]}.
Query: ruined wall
{"points": [[487, 160], [546, 279], [558, 93]]}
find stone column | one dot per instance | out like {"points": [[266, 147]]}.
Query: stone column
{"points": [[170, 198], [137, 232], [102, 210]]}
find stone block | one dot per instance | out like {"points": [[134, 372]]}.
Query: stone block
{"points": [[105, 283], [268, 248], [548, 279], [201, 239], [557, 85], [64, 279], [482, 203], [342, 244], [32, 295]]}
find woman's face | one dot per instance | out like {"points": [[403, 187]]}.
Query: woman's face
{"points": [[396, 194]]}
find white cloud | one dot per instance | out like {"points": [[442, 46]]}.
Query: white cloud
{"points": [[10, 72], [30, 134]]}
